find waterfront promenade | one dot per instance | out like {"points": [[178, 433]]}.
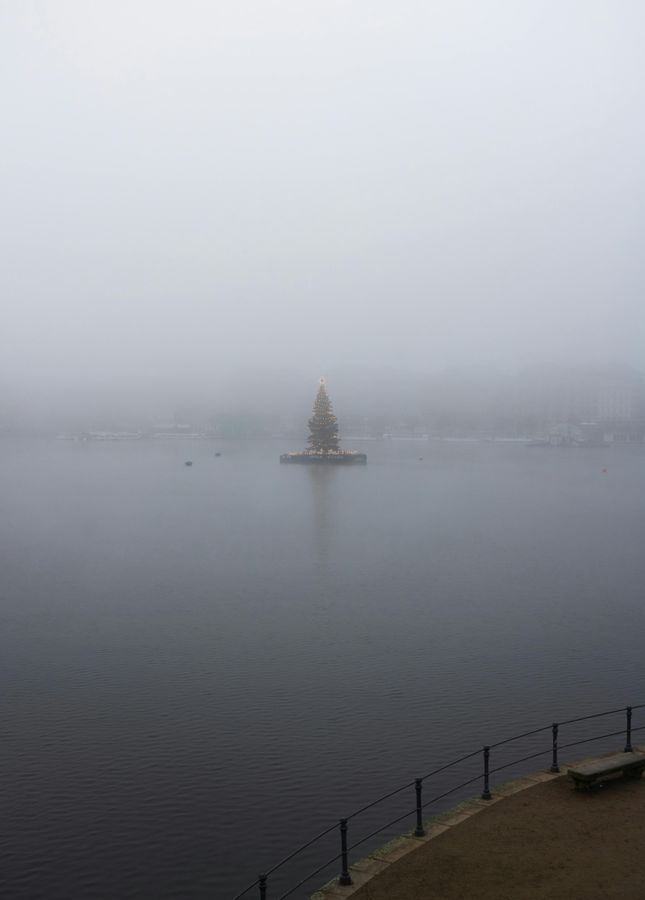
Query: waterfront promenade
{"points": [[537, 839]]}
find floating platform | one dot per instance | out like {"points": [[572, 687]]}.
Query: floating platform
{"points": [[341, 458]]}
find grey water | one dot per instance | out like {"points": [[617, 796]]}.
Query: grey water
{"points": [[202, 667]]}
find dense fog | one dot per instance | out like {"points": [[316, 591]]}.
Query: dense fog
{"points": [[211, 204]]}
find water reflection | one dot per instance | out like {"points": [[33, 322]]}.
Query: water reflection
{"points": [[323, 487]]}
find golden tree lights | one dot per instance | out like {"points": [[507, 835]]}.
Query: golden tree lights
{"points": [[323, 425]]}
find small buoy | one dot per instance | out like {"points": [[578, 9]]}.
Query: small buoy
{"points": [[188, 462], [218, 454], [420, 459], [605, 470]]}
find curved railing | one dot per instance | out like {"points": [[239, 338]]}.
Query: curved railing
{"points": [[262, 881]]}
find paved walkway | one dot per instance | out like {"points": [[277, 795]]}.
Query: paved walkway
{"points": [[541, 842]]}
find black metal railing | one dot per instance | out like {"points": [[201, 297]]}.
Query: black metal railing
{"points": [[483, 776]]}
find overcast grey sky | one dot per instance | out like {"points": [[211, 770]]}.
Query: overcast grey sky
{"points": [[190, 188]]}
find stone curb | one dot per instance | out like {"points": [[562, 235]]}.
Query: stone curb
{"points": [[382, 858]]}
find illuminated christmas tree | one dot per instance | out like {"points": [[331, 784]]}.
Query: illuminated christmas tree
{"points": [[323, 438], [323, 425]]}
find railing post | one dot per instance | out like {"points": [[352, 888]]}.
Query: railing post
{"points": [[554, 765], [262, 884], [486, 794], [628, 742], [345, 877], [418, 831]]}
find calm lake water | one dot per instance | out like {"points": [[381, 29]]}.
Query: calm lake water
{"points": [[203, 667]]}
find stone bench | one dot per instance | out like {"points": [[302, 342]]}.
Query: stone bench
{"points": [[631, 765]]}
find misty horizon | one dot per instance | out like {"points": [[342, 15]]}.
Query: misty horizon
{"points": [[195, 191], [285, 396]]}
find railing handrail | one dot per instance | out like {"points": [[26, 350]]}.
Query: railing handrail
{"points": [[261, 880]]}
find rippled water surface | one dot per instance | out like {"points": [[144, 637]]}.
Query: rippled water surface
{"points": [[202, 667]]}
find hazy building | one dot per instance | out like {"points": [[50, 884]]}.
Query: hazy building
{"points": [[616, 401]]}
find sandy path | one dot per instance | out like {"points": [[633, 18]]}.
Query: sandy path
{"points": [[545, 842]]}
